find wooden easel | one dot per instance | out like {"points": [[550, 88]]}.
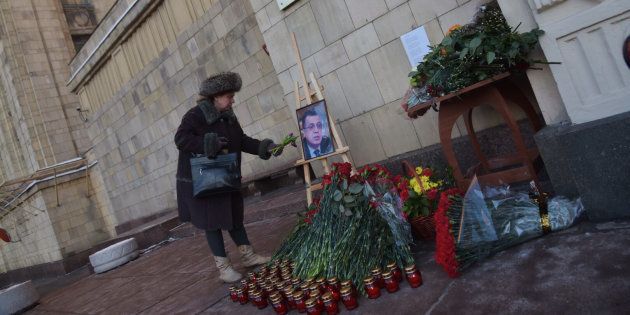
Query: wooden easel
{"points": [[312, 96]]}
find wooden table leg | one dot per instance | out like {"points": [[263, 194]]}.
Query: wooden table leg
{"points": [[475, 142], [446, 120], [501, 106], [511, 92]]}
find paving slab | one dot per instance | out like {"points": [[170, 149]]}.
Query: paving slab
{"points": [[581, 270]]}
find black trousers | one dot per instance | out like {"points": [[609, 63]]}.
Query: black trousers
{"points": [[215, 239]]}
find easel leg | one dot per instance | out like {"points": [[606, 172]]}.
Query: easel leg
{"points": [[326, 166], [307, 180]]}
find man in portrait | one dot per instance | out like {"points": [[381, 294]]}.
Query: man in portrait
{"points": [[315, 142]]}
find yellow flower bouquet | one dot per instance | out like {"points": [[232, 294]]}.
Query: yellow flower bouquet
{"points": [[421, 198]]}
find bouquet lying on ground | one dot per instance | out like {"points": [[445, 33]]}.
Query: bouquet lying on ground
{"points": [[356, 226], [472, 226]]}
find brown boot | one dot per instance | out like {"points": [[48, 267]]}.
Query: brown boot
{"points": [[249, 258], [226, 272]]}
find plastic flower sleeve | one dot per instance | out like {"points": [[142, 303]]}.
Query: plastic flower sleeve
{"points": [[476, 223], [483, 222], [563, 212]]}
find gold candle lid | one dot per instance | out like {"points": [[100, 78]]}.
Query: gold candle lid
{"points": [[327, 297], [368, 280], [314, 287], [410, 268], [346, 283], [232, 288], [387, 274], [391, 265], [311, 302], [346, 290], [275, 298], [333, 280], [256, 294], [376, 270], [239, 290], [298, 293], [320, 280]]}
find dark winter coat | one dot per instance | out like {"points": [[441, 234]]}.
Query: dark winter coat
{"points": [[198, 133]]}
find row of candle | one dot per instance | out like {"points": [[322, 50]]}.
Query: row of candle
{"points": [[310, 296], [276, 286]]}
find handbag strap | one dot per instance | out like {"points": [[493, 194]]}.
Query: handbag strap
{"points": [[196, 155]]}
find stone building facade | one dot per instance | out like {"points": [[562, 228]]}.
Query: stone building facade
{"points": [[46, 206], [139, 72]]}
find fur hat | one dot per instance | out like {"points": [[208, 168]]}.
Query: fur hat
{"points": [[223, 82]]}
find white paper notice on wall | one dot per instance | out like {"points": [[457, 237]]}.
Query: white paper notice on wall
{"points": [[416, 44]]}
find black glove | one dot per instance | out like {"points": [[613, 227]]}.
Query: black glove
{"points": [[223, 142], [272, 146]]}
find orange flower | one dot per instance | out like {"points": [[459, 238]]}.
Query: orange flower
{"points": [[453, 28]]}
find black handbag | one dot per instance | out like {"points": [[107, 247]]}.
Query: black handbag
{"points": [[214, 176]]}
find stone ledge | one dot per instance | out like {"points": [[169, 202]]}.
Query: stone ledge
{"points": [[591, 160]]}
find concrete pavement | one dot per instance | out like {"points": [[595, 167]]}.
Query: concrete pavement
{"points": [[585, 269]]}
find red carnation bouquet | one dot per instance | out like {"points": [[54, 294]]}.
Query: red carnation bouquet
{"points": [[355, 208], [475, 225]]}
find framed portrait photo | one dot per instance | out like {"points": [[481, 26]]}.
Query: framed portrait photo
{"points": [[315, 130]]}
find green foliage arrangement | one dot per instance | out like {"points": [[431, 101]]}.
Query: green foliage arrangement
{"points": [[474, 52]]}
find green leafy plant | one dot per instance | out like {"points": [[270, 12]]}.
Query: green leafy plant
{"points": [[474, 52]]}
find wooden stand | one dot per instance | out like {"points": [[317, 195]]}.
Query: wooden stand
{"points": [[312, 96], [495, 92]]}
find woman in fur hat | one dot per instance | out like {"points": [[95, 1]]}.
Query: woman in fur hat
{"points": [[211, 128]]}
